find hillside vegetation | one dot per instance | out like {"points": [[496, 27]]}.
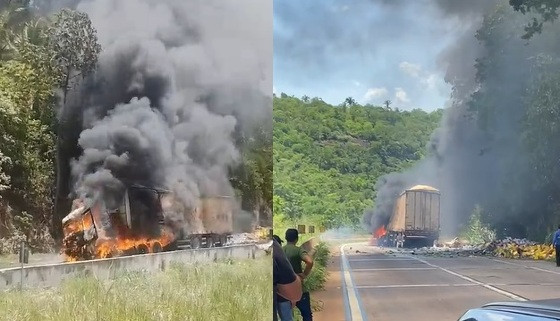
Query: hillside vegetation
{"points": [[327, 158]]}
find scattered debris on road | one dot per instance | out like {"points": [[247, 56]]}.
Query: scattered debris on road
{"points": [[506, 248]]}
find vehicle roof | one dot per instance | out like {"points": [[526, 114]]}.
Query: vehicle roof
{"points": [[545, 308], [423, 188], [548, 304]]}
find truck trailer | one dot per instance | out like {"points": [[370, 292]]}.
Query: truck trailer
{"points": [[416, 216], [146, 220]]}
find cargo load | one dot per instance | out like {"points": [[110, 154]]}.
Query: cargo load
{"points": [[416, 216]]}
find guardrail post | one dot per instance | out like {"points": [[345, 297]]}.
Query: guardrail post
{"points": [[23, 259]]}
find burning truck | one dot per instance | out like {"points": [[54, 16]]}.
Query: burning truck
{"points": [[145, 220], [415, 216]]}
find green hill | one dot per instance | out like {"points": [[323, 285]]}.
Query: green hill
{"points": [[328, 158]]}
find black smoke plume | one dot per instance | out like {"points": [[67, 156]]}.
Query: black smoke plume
{"points": [[176, 84], [477, 156]]}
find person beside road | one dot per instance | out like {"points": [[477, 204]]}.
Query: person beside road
{"points": [[287, 284], [400, 240], [297, 255], [556, 245]]}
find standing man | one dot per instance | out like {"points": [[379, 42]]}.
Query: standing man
{"points": [[400, 240], [285, 281], [556, 244], [296, 255]]}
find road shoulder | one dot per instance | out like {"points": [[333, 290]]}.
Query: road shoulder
{"points": [[330, 298]]}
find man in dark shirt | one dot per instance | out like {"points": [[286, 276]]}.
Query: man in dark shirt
{"points": [[286, 283]]}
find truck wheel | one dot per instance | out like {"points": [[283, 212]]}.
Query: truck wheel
{"points": [[156, 248], [195, 242], [142, 249]]}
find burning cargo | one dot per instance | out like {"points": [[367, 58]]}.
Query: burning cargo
{"points": [[146, 220], [416, 216]]}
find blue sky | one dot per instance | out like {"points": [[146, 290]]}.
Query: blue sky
{"points": [[371, 50]]}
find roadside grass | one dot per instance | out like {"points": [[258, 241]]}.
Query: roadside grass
{"points": [[318, 276], [229, 290], [7, 261]]}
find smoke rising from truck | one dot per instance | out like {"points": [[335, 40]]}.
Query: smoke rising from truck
{"points": [[456, 160], [178, 82], [478, 156]]}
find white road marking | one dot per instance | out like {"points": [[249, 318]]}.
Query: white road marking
{"points": [[466, 278], [394, 269], [393, 259], [355, 309], [444, 285], [526, 266], [390, 286]]}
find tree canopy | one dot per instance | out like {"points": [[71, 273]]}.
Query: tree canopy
{"points": [[327, 158], [545, 10]]}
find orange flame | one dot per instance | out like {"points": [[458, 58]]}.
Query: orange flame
{"points": [[380, 232], [124, 243], [105, 248]]}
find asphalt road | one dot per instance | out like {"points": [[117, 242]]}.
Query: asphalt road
{"points": [[396, 287]]}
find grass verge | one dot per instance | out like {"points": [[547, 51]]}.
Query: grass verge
{"points": [[231, 290]]}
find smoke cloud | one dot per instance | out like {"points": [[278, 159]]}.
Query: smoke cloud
{"points": [[477, 155], [177, 83]]}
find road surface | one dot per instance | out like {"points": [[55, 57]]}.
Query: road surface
{"points": [[378, 286]]}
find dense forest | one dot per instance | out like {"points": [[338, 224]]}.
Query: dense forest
{"points": [[48, 62], [327, 158]]}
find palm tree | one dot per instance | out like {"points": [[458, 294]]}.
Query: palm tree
{"points": [[349, 101]]}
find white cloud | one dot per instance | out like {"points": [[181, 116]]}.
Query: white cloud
{"points": [[374, 93], [410, 69], [401, 96], [273, 90], [430, 81], [356, 83]]}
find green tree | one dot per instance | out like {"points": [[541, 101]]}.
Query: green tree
{"points": [[387, 103], [546, 9], [73, 41], [476, 231]]}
